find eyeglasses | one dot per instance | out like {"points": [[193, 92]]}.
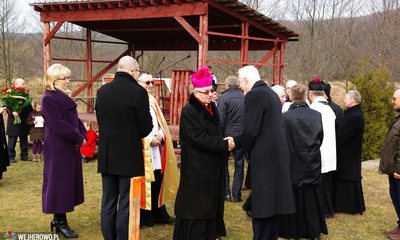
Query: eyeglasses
{"points": [[148, 82], [394, 99], [63, 79], [137, 70], [207, 91]]}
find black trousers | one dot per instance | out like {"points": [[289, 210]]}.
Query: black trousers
{"points": [[23, 143], [115, 223], [266, 228]]}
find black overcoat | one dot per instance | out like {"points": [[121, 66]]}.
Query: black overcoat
{"points": [[18, 129], [304, 133], [264, 140], [201, 190], [123, 115], [349, 145]]}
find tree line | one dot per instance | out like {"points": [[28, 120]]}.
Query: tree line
{"points": [[340, 40]]}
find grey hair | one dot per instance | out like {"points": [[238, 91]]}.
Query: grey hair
{"points": [[250, 72], [354, 94], [232, 81]]}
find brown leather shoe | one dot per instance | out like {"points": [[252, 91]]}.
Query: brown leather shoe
{"points": [[395, 236], [394, 231]]}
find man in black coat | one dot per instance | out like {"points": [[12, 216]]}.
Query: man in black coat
{"points": [[123, 115], [304, 133], [347, 193], [231, 111], [264, 141], [21, 131]]}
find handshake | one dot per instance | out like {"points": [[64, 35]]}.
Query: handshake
{"points": [[231, 143]]}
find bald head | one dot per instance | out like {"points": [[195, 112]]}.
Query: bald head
{"points": [[19, 82], [127, 64], [396, 99], [397, 93]]}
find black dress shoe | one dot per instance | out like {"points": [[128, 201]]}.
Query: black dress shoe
{"points": [[228, 198], [12, 160], [239, 199], [26, 159], [171, 220]]}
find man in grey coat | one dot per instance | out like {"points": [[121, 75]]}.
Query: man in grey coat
{"points": [[231, 112], [263, 140]]}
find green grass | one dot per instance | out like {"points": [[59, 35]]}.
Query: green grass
{"points": [[20, 208]]}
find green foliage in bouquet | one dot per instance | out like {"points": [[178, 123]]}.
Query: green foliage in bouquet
{"points": [[16, 99]]}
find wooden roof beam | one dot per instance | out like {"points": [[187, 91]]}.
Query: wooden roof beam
{"points": [[111, 5], [63, 8], [154, 3], [122, 5], [73, 7], [166, 2], [82, 7], [92, 6], [101, 6], [54, 8], [37, 9], [189, 28], [133, 4], [52, 33], [244, 19], [143, 3]]}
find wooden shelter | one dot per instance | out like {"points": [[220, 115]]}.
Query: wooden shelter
{"points": [[169, 25]]}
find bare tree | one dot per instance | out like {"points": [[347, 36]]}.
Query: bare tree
{"points": [[10, 46]]}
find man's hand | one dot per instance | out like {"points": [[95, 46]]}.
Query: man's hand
{"points": [[396, 175], [231, 143]]}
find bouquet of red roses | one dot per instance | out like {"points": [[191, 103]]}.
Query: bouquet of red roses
{"points": [[16, 98]]}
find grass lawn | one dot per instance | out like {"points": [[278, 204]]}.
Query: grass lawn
{"points": [[20, 208]]}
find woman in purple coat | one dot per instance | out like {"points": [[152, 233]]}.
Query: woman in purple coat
{"points": [[64, 135]]}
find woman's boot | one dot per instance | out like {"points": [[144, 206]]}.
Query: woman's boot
{"points": [[62, 226]]}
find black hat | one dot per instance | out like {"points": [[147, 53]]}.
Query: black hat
{"points": [[316, 85], [327, 89]]}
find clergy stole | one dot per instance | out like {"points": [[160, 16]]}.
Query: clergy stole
{"points": [[134, 208]]}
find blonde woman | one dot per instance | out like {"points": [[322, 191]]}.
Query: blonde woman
{"points": [[65, 134]]}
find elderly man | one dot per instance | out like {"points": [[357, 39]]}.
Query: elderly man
{"points": [[347, 193], [231, 113], [389, 163], [263, 140], [328, 147], [18, 130], [122, 110], [303, 128]]}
